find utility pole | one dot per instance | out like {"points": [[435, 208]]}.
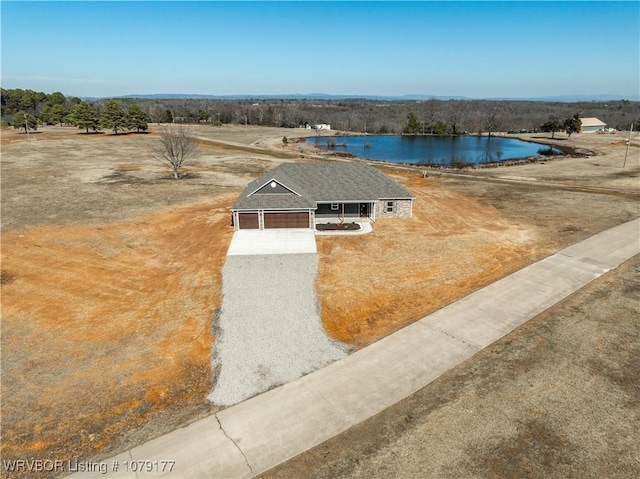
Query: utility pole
{"points": [[628, 143]]}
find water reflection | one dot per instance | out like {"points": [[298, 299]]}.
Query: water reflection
{"points": [[434, 150]]}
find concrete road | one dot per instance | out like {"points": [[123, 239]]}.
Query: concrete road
{"points": [[253, 436]]}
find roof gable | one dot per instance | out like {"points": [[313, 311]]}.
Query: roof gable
{"points": [[273, 187]]}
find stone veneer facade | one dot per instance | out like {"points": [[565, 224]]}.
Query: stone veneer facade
{"points": [[402, 209]]}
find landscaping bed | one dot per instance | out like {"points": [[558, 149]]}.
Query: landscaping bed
{"points": [[338, 227]]}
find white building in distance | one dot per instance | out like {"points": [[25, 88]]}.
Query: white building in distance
{"points": [[591, 125]]}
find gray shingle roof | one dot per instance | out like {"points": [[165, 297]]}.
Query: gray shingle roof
{"points": [[322, 182]]}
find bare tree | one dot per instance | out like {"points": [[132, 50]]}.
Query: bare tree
{"points": [[492, 123], [175, 147], [260, 113], [456, 115], [207, 107], [430, 114]]}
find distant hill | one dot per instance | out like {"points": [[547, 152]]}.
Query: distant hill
{"points": [[285, 96], [355, 114], [409, 97], [574, 98]]}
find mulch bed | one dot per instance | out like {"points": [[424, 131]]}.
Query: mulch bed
{"points": [[338, 227]]}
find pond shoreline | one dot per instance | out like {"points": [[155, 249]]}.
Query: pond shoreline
{"points": [[567, 152]]}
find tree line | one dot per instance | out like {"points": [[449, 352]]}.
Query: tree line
{"points": [[491, 124], [26, 109], [570, 125], [431, 116]]}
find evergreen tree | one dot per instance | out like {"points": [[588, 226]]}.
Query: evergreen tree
{"points": [[136, 118], [53, 114], [113, 117], [441, 128], [57, 113], [553, 124], [22, 119], [413, 125], [84, 116], [56, 98], [573, 124], [203, 116], [167, 117]]}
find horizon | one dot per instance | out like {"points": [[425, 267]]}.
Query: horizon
{"points": [[569, 98], [327, 96], [479, 50]]}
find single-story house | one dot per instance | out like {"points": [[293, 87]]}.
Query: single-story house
{"points": [[297, 195], [318, 126], [591, 125]]}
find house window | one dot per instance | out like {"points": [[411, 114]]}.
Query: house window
{"points": [[389, 206], [334, 206]]}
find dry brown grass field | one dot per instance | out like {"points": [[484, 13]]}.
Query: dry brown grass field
{"points": [[111, 270], [556, 398]]}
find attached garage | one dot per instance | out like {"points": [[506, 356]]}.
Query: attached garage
{"points": [[294, 195], [248, 221], [286, 219]]}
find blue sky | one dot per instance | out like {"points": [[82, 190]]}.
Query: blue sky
{"points": [[473, 49]]}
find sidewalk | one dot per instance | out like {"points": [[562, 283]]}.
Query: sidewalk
{"points": [[268, 429]]}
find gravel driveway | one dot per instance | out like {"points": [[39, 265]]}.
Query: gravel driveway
{"points": [[269, 331]]}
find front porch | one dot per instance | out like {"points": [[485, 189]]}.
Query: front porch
{"points": [[342, 211]]}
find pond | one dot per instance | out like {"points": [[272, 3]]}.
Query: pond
{"points": [[433, 150]]}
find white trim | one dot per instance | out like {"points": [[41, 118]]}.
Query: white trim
{"points": [[278, 182], [261, 212], [397, 198], [280, 210], [236, 218], [390, 204], [319, 202], [343, 201]]}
